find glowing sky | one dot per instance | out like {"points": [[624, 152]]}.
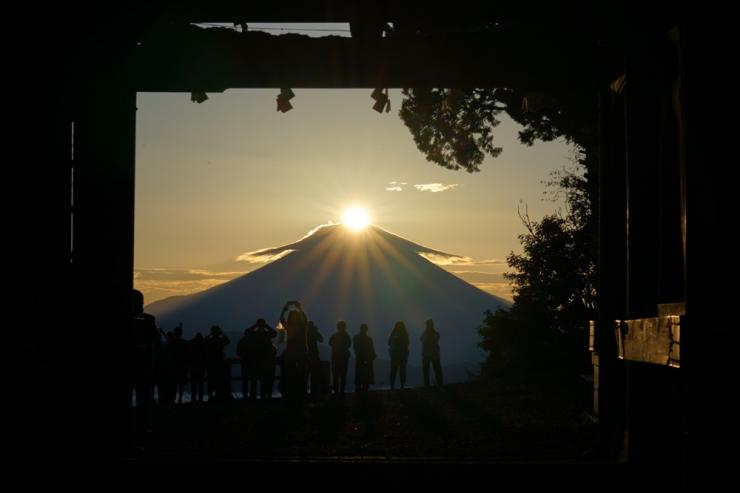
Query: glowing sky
{"points": [[233, 175]]}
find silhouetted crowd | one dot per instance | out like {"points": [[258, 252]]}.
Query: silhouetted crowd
{"points": [[164, 363]]}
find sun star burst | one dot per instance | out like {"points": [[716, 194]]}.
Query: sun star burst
{"points": [[356, 218]]}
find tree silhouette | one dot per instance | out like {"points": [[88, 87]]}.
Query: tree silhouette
{"points": [[554, 289], [454, 127], [554, 277]]}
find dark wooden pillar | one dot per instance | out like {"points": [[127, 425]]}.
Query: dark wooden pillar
{"points": [[102, 260], [612, 267], [640, 250], [642, 139], [37, 237], [711, 338], [653, 259], [643, 385]]}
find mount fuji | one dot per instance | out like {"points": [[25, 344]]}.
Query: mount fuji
{"points": [[370, 276]]}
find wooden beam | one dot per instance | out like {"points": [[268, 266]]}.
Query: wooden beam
{"points": [[189, 58], [391, 10]]}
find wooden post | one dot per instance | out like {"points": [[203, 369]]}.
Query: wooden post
{"points": [[652, 401], [710, 338], [102, 260], [612, 269]]}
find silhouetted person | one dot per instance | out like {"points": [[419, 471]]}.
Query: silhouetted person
{"points": [[398, 347], [340, 343], [364, 356], [245, 351], [160, 366], [197, 364], [261, 358], [227, 379], [430, 353], [280, 357], [167, 391], [180, 362], [215, 343], [314, 360], [280, 363], [143, 335], [263, 367], [295, 356], [268, 377]]}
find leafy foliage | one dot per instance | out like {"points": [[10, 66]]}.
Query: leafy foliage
{"points": [[553, 281], [454, 127]]}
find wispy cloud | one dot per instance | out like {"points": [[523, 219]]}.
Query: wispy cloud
{"points": [[502, 289], [446, 259], [491, 261], [162, 283], [262, 256], [154, 290], [271, 254], [452, 260], [317, 228], [395, 186], [474, 277], [435, 187], [181, 275]]}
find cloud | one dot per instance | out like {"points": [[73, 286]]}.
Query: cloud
{"points": [[183, 275], [262, 256], [502, 289], [174, 287], [491, 282], [441, 258], [317, 228], [271, 254], [163, 283], [395, 186], [491, 261], [435, 187], [446, 259], [474, 277]]}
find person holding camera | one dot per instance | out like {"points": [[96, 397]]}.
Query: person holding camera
{"points": [[295, 356]]}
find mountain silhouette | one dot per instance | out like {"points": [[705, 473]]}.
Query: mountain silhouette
{"points": [[371, 276]]}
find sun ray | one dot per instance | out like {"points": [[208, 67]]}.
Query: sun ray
{"points": [[328, 259], [388, 254], [381, 261], [392, 251], [365, 279]]}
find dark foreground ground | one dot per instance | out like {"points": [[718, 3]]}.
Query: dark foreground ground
{"points": [[535, 418], [518, 432]]}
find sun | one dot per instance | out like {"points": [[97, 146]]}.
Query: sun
{"points": [[356, 218]]}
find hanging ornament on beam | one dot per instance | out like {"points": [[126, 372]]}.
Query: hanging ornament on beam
{"points": [[382, 101], [198, 96], [283, 100]]}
